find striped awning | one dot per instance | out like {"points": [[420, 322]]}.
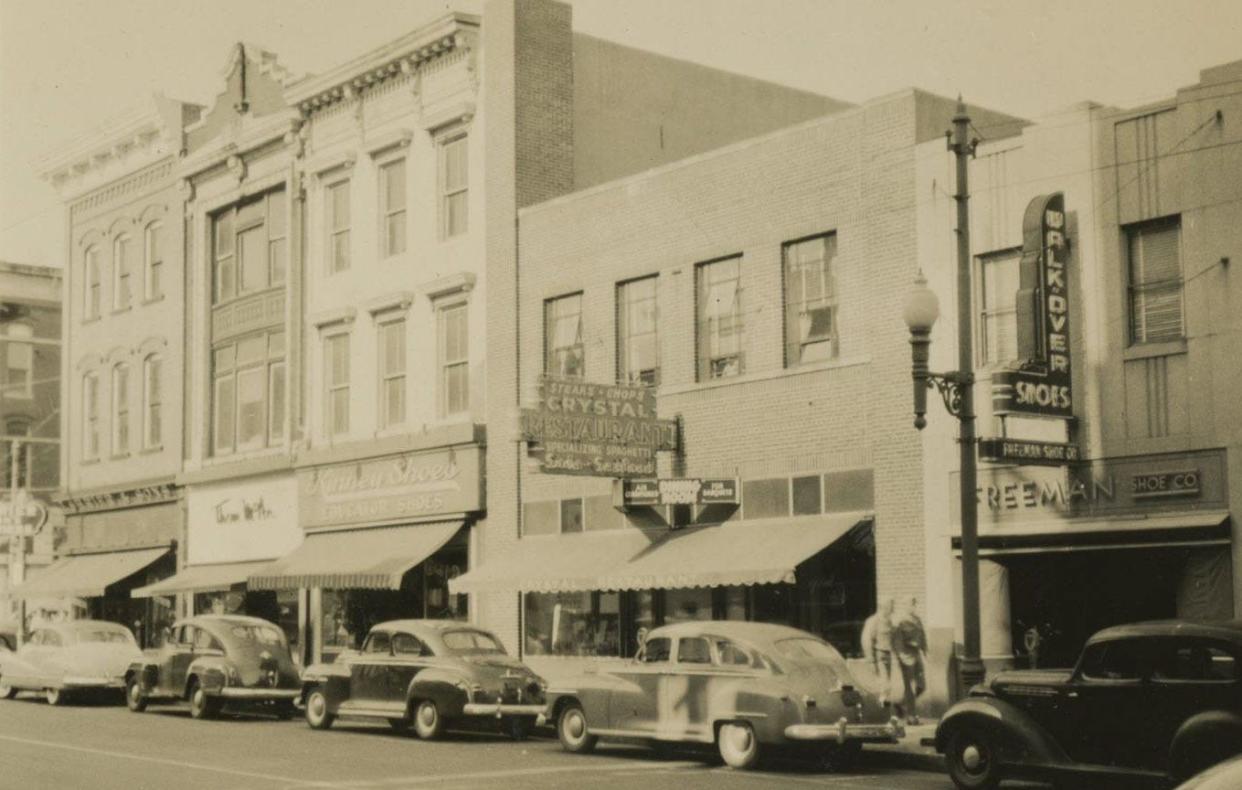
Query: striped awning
{"points": [[374, 558], [1165, 529], [753, 552], [202, 578], [87, 575]]}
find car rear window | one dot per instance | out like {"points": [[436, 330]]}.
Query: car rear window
{"points": [[263, 634], [105, 635], [471, 642], [808, 649]]}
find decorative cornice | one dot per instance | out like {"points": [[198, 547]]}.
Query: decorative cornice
{"points": [[341, 160], [122, 187], [280, 128], [386, 141], [152, 493], [403, 56], [461, 282], [339, 315], [461, 112], [397, 300]]}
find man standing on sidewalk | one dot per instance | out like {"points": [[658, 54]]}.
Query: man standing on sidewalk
{"points": [[910, 647], [877, 644]]}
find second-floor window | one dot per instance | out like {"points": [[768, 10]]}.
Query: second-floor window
{"points": [[392, 207], [249, 246], [810, 300], [120, 409], [90, 416], [719, 318], [638, 342], [121, 279], [1155, 281], [248, 391], [152, 400], [454, 359], [18, 362], [392, 373], [562, 330], [336, 381], [454, 171], [92, 292], [998, 317], [153, 287], [336, 202]]}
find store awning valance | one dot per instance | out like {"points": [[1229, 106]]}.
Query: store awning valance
{"points": [[374, 558], [1183, 528], [87, 575], [756, 552], [201, 578]]}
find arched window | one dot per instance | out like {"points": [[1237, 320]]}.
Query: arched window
{"points": [[152, 434], [91, 291], [153, 286], [90, 416], [121, 270], [120, 409]]}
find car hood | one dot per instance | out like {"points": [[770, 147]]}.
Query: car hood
{"points": [[497, 664]]}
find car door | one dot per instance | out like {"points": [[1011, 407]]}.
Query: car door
{"points": [[1110, 700], [177, 658], [684, 691], [27, 663], [409, 656], [634, 705], [367, 670], [1192, 675]]}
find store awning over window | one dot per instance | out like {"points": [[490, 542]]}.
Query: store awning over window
{"points": [[1185, 528], [756, 552], [87, 575], [374, 558], [202, 578]]}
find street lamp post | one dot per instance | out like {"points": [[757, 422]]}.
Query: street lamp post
{"points": [[957, 390]]}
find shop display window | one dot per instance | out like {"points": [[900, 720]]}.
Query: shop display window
{"points": [[573, 624]]}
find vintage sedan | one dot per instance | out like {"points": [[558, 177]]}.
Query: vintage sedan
{"points": [[742, 686], [218, 660], [425, 674], [64, 659], [1147, 704], [1225, 776]]}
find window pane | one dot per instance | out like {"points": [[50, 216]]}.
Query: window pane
{"points": [[224, 413], [155, 256], [224, 234], [394, 233], [457, 388], [394, 185], [276, 261], [810, 300], [224, 358], [253, 251], [340, 411], [338, 224], [250, 212], [276, 405], [688, 604], [639, 346], [1155, 283], [251, 409], [693, 650], [455, 164], [394, 401], [276, 344], [227, 287], [571, 515], [563, 330], [251, 349], [339, 370], [456, 214], [393, 339], [720, 319], [121, 260], [276, 217]]}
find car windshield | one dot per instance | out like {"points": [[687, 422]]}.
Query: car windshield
{"points": [[105, 635], [807, 649], [263, 634], [471, 643]]}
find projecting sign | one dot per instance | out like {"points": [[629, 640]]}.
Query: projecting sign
{"points": [[601, 430], [1023, 451], [1041, 385], [22, 516], [679, 491]]}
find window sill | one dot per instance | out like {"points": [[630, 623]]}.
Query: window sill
{"points": [[119, 310], [159, 448], [153, 299], [1149, 350], [118, 456], [748, 378], [88, 462], [93, 319]]}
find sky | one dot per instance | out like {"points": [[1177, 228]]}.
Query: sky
{"points": [[65, 65]]}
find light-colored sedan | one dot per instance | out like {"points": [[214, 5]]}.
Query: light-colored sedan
{"points": [[60, 659]]}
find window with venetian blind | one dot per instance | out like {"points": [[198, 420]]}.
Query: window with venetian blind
{"points": [[810, 300], [1155, 281], [998, 315]]}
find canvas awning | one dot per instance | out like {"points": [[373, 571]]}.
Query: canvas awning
{"points": [[201, 578], [755, 552], [374, 558], [1181, 528], [87, 575]]}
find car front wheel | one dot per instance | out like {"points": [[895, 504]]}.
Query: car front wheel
{"points": [[739, 748], [55, 696], [7, 692], [317, 714], [571, 728], [972, 760], [202, 706], [134, 698], [428, 723]]}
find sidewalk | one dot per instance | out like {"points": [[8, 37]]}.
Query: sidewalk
{"points": [[909, 753]]}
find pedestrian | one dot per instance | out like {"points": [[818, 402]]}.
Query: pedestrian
{"points": [[877, 644], [910, 647]]}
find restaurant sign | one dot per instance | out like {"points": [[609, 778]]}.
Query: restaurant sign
{"points": [[679, 491], [249, 519], [600, 430], [403, 487], [1041, 385], [1023, 451]]}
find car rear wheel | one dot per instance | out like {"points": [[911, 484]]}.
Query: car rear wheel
{"points": [[134, 698], [972, 760], [571, 728], [317, 714], [202, 706], [739, 748], [54, 696], [428, 723], [7, 692]]}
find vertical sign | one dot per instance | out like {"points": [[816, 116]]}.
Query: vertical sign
{"points": [[1041, 385]]}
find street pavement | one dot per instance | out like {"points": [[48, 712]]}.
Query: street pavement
{"points": [[106, 747]]}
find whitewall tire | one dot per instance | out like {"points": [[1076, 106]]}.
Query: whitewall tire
{"points": [[739, 748]]}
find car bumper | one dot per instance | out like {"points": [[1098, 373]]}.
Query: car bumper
{"points": [[501, 709], [259, 695], [843, 731]]}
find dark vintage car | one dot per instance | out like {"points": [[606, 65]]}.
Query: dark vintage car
{"points": [[1147, 704], [425, 674], [217, 660], [742, 686]]}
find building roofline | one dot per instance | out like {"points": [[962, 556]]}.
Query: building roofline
{"points": [[31, 270]]}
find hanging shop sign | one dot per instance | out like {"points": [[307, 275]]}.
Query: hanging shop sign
{"points": [[1041, 384], [1022, 451], [600, 430], [21, 516], [679, 491]]}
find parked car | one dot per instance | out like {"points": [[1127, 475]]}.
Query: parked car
{"points": [[1150, 703], [425, 674], [216, 660], [743, 686], [1225, 776], [64, 659]]}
